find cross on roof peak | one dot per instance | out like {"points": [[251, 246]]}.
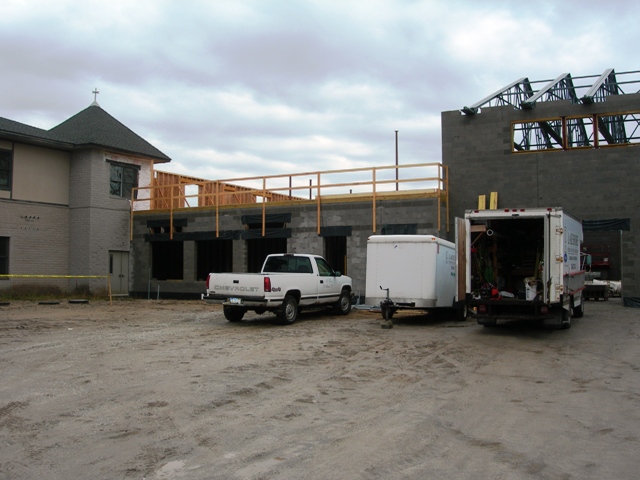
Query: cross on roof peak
{"points": [[95, 96]]}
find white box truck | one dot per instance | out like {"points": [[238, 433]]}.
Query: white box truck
{"points": [[521, 263], [416, 272]]}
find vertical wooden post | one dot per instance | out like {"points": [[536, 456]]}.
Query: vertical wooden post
{"points": [[373, 220], [264, 205], [217, 200], [319, 216]]}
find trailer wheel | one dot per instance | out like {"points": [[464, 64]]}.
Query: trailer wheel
{"points": [[387, 312], [344, 303], [233, 314], [288, 311]]}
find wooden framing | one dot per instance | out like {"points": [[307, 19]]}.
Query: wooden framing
{"points": [[170, 192]]}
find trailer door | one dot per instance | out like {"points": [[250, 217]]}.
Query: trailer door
{"points": [[461, 258]]}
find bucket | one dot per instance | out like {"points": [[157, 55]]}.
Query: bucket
{"points": [[531, 288]]}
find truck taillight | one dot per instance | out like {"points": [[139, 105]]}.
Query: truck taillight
{"points": [[207, 285], [267, 284], [482, 309]]}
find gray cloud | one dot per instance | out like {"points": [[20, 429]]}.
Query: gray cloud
{"points": [[271, 86]]}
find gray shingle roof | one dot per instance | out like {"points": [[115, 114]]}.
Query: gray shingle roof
{"points": [[92, 127], [14, 129]]}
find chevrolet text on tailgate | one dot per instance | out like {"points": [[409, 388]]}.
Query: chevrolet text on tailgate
{"points": [[287, 283]]}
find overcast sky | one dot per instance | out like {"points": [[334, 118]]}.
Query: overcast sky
{"points": [[235, 88]]}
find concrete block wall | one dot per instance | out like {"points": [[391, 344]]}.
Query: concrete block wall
{"points": [[358, 215], [590, 183]]}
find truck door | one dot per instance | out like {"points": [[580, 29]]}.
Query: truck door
{"points": [[553, 265], [461, 258], [328, 288]]}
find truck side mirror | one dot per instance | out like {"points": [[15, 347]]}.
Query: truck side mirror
{"points": [[337, 274]]}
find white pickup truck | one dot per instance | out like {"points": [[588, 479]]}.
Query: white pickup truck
{"points": [[287, 283]]}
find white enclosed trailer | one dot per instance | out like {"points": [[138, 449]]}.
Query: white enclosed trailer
{"points": [[521, 263], [412, 272]]}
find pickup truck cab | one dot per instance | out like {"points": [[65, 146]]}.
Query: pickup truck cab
{"points": [[287, 283]]}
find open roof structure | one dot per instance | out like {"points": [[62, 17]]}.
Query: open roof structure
{"points": [[619, 128]]}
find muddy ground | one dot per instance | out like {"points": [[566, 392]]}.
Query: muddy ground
{"points": [[171, 390]]}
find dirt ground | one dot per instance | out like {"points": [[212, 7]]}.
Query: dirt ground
{"points": [[146, 389]]}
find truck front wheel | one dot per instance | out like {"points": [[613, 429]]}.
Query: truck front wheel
{"points": [[344, 303], [289, 310], [233, 314]]}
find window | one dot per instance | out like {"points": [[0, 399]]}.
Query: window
{"points": [[4, 255], [5, 169], [324, 268], [123, 179]]}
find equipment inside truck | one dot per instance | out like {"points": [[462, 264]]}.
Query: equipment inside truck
{"points": [[507, 258]]}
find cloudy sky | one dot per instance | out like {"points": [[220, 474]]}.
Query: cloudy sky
{"points": [[232, 88]]}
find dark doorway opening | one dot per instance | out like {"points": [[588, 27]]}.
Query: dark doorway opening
{"points": [[604, 248], [259, 248], [213, 256], [335, 252], [167, 260]]}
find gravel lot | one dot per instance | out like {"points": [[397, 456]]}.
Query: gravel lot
{"points": [[171, 390]]}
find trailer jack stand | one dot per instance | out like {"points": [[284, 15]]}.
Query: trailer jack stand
{"points": [[386, 307]]}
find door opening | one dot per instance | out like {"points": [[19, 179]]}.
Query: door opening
{"points": [[119, 272]]}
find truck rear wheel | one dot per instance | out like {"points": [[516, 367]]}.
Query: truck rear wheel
{"points": [[233, 314], [288, 311], [461, 311], [565, 322], [578, 311]]}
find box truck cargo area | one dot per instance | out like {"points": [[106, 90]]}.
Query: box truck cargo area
{"points": [[522, 264]]}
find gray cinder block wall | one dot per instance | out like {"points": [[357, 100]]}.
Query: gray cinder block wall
{"points": [[590, 183], [421, 212]]}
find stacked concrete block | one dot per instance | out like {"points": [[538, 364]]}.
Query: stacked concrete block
{"points": [[591, 183]]}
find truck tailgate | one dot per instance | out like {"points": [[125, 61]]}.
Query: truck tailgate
{"points": [[240, 285]]}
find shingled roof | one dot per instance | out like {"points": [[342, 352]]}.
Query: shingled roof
{"points": [[92, 127], [21, 131]]}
